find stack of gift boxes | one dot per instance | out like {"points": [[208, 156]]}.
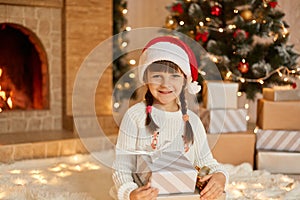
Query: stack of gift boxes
{"points": [[278, 130], [226, 124]]}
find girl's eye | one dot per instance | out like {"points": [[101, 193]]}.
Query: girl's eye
{"points": [[176, 75], [155, 76]]}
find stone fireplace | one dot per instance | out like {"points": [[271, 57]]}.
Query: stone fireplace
{"points": [[60, 35], [30, 67], [23, 70]]}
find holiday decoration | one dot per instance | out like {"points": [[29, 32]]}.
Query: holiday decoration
{"points": [[177, 8], [230, 31], [270, 115], [243, 67], [124, 83], [216, 10], [279, 140], [202, 171], [247, 15], [202, 36], [282, 94], [174, 168], [272, 4], [212, 90], [240, 35], [279, 162]]}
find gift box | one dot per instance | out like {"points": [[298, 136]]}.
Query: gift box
{"points": [[279, 140], [219, 94], [279, 115], [233, 148], [194, 196], [278, 162], [170, 172], [276, 94], [224, 120]]}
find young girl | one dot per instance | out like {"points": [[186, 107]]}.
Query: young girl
{"points": [[163, 122]]}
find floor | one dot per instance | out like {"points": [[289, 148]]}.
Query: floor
{"points": [[83, 177]]}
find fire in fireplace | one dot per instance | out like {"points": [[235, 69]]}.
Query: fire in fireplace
{"points": [[23, 69]]}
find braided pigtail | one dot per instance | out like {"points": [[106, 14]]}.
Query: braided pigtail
{"points": [[188, 136], [149, 120]]}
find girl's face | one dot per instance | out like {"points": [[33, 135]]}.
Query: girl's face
{"points": [[165, 86]]}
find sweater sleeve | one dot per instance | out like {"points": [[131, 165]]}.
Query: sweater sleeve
{"points": [[124, 163], [203, 155]]}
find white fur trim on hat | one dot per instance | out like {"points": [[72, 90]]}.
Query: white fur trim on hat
{"points": [[164, 51]]}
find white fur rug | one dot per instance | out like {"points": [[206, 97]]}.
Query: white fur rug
{"points": [[81, 177]]}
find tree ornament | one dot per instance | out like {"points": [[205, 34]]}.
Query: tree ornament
{"points": [[247, 15], [273, 4], [216, 10], [294, 85], [177, 8], [171, 23], [240, 35], [243, 67], [202, 36], [194, 10], [260, 69], [259, 16]]}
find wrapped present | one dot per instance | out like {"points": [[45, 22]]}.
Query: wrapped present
{"points": [[227, 120], [170, 172], [281, 94], [279, 115], [278, 162], [279, 140], [233, 148], [219, 94], [180, 196]]}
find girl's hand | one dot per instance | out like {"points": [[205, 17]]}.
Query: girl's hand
{"points": [[214, 187], [145, 192]]}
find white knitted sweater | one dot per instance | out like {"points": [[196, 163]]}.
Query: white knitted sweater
{"points": [[133, 135]]}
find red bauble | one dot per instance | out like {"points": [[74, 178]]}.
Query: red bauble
{"points": [[273, 4], [243, 67], [241, 34], [177, 8], [202, 36], [294, 85], [216, 10]]}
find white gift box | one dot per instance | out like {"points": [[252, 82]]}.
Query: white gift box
{"points": [[227, 120], [170, 173], [279, 140], [278, 162], [220, 95], [276, 94]]}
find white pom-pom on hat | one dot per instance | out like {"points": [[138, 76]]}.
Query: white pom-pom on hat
{"points": [[172, 49]]}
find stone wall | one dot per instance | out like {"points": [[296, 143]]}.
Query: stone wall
{"points": [[88, 23]]}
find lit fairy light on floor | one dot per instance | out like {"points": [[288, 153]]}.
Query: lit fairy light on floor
{"points": [[34, 171], [55, 169], [263, 186], [15, 171], [2, 195], [75, 168], [40, 178], [64, 174], [20, 181], [91, 166]]}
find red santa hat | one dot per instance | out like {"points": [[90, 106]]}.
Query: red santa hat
{"points": [[175, 50]]}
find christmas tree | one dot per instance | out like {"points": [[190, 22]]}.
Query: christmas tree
{"points": [[123, 82], [246, 39]]}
